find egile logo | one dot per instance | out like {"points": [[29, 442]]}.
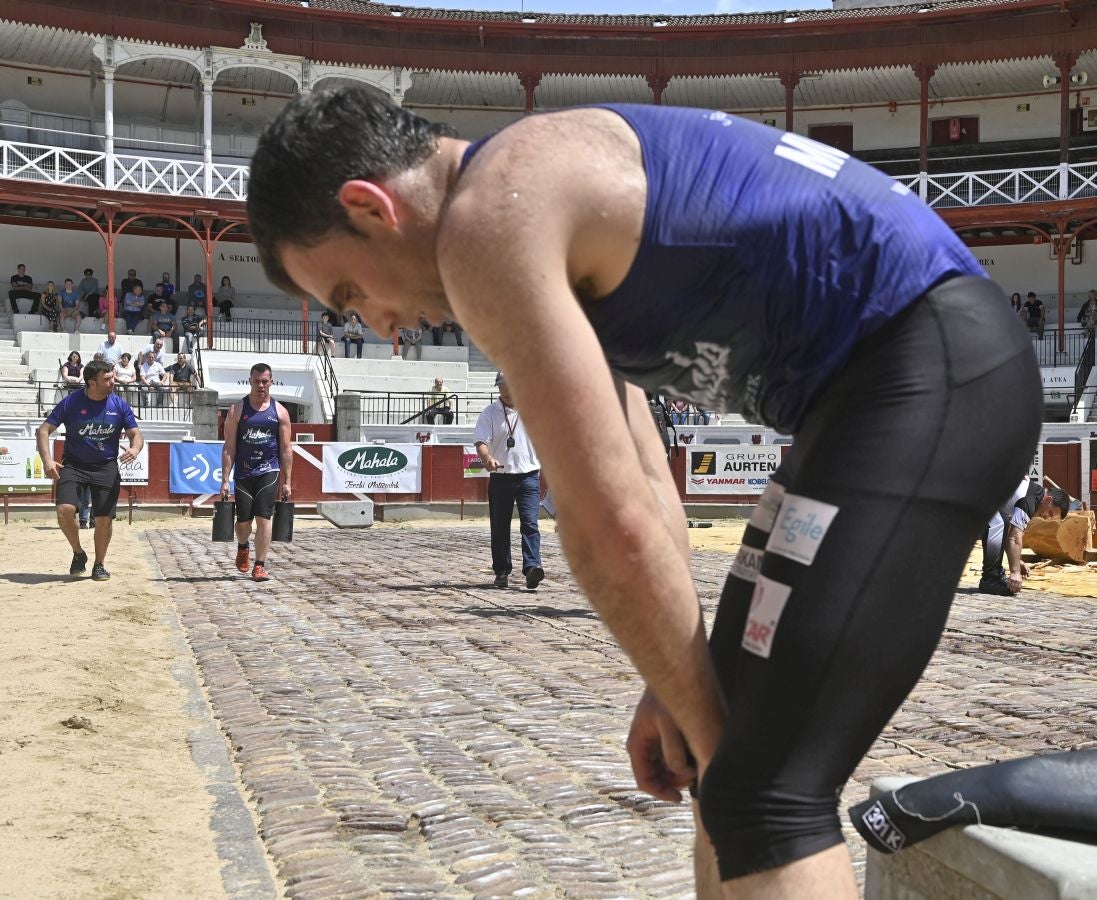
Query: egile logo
{"points": [[372, 460]]}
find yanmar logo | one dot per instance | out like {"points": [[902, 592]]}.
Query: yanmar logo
{"points": [[877, 821], [372, 460], [702, 462]]}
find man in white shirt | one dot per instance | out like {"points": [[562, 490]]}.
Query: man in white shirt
{"points": [[507, 453], [1006, 530], [157, 349], [153, 376], [111, 350]]}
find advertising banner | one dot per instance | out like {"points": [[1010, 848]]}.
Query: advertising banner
{"points": [[137, 472], [195, 468], [472, 464], [731, 468], [373, 468], [21, 465]]}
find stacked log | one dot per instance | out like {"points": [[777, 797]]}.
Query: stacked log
{"points": [[1061, 541]]}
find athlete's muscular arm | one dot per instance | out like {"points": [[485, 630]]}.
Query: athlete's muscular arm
{"points": [[660, 759], [524, 227], [285, 450], [1014, 542], [228, 449], [50, 466], [137, 441]]}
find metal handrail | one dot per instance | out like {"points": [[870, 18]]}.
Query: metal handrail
{"points": [[148, 405], [439, 406], [1082, 372], [404, 407], [327, 372]]}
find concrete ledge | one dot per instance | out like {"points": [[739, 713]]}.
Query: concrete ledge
{"points": [[347, 513], [981, 862]]}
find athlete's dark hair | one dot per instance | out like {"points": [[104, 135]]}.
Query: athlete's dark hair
{"points": [[96, 368], [1060, 498], [260, 368], [317, 143]]}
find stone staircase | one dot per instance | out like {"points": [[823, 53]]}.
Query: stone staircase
{"points": [[18, 397]]}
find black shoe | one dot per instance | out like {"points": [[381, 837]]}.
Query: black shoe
{"points": [[534, 577], [99, 573], [79, 563], [501, 581], [84, 524], [999, 587]]}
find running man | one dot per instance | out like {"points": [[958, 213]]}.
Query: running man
{"points": [[94, 418], [593, 253], [257, 441]]}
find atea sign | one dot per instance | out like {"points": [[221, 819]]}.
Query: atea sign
{"points": [[372, 468]]}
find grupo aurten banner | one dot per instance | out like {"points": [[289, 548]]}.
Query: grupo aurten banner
{"points": [[730, 468], [373, 468]]}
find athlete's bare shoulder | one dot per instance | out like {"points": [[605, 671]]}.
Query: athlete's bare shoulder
{"points": [[572, 180]]}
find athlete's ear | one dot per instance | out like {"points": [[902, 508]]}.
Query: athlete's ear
{"points": [[368, 204]]}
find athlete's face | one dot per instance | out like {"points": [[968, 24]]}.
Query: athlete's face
{"points": [[1046, 509], [100, 387], [260, 384]]}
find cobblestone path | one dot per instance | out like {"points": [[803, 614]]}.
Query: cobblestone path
{"points": [[406, 730]]}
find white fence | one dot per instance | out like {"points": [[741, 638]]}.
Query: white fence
{"points": [[189, 177]]}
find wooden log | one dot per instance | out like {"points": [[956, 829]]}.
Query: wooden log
{"points": [[1061, 541]]}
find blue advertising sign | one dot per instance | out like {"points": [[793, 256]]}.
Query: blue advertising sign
{"points": [[196, 468]]}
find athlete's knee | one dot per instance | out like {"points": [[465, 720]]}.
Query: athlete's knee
{"points": [[65, 510], [755, 825]]}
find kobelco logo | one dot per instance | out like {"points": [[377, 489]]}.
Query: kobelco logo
{"points": [[372, 460]]}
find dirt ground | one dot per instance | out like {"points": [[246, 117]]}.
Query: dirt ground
{"points": [[114, 807]]}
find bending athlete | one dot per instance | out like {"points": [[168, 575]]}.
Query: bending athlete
{"points": [[604, 251]]}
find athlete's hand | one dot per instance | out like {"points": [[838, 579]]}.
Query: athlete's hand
{"points": [[285, 493], [224, 490], [52, 469], [1024, 571], [660, 759], [127, 456], [1014, 583]]}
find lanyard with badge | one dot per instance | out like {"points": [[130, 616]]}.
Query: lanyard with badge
{"points": [[510, 428]]}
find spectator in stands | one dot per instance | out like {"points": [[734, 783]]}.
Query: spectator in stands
{"points": [[193, 324], [325, 335], [163, 325], [411, 337], [110, 349], [438, 396], [1034, 314], [71, 374], [22, 288], [167, 290], [1087, 315], [154, 300], [125, 375], [133, 305], [1017, 303], [70, 306], [353, 333], [438, 332], [89, 292], [226, 297], [129, 282], [49, 305], [701, 416], [182, 376], [196, 292], [679, 412], [153, 376], [156, 347]]}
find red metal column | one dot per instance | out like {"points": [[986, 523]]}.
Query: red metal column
{"points": [[925, 72], [789, 80], [1062, 250], [304, 325], [206, 242], [658, 84], [109, 239], [529, 82], [1065, 62]]}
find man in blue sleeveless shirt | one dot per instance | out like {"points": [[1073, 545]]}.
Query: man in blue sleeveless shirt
{"points": [[602, 251], [257, 442], [94, 419]]}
